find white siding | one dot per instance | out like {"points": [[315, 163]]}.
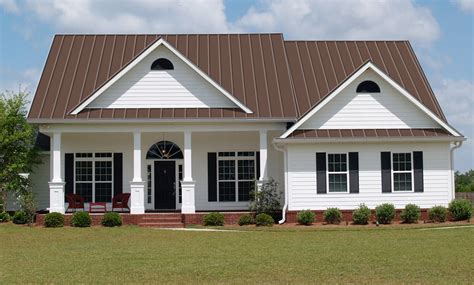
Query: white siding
{"points": [[388, 109], [302, 176], [178, 88]]}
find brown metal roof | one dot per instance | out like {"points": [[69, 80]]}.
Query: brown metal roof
{"points": [[367, 133], [276, 79]]}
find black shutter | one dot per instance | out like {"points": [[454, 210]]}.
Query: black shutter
{"points": [[386, 166], [212, 177], [118, 173], [258, 165], [69, 173], [418, 170], [321, 172], [354, 172]]}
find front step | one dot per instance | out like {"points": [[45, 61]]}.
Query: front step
{"points": [[161, 225], [171, 220]]}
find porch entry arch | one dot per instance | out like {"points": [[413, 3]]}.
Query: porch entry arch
{"points": [[164, 172]]}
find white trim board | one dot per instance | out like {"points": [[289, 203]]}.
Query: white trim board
{"points": [[359, 72], [138, 59]]}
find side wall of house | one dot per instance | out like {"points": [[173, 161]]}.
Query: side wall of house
{"points": [[302, 176]]}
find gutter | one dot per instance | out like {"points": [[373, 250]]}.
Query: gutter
{"points": [[285, 163], [456, 145]]}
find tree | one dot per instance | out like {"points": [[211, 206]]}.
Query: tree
{"points": [[464, 182], [18, 154]]}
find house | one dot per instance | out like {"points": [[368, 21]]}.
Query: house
{"points": [[188, 123]]}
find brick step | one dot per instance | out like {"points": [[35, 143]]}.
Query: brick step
{"points": [[162, 219], [161, 225]]}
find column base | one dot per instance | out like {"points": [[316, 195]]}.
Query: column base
{"points": [[188, 206], [137, 197], [56, 197]]}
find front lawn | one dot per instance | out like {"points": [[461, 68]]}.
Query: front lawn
{"points": [[344, 255]]}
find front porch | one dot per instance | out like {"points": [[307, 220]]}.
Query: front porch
{"points": [[164, 170]]}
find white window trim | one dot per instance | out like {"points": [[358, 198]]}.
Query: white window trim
{"points": [[402, 171], [151, 162], [338, 172], [93, 159], [235, 158]]}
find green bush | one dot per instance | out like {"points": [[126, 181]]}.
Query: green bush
{"points": [[267, 200], [246, 220], [111, 219], [385, 213], [361, 215], [461, 209], [4, 217], [264, 220], [20, 218], [438, 214], [214, 219], [332, 216], [411, 214], [305, 217], [54, 220], [81, 220]]}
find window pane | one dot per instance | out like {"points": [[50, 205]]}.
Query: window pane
{"points": [[245, 188], [103, 171], [148, 187], [337, 182], [84, 154], [84, 190], [180, 178], [83, 170], [226, 170], [103, 192], [402, 182], [103, 154], [337, 162], [246, 153], [227, 153], [246, 169], [227, 191], [402, 161]]}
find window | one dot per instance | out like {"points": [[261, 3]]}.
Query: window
{"points": [[402, 172], [337, 173], [148, 184], [162, 64], [180, 179], [93, 176], [368, 87], [164, 150], [236, 175]]}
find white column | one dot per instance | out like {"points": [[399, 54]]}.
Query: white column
{"points": [[263, 159], [188, 184], [56, 186], [137, 185]]}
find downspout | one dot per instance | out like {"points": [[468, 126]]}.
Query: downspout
{"points": [[285, 165], [453, 185]]}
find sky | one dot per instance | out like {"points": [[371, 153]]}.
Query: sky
{"points": [[441, 32]]}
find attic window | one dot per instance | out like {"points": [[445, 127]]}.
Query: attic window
{"points": [[368, 87], [162, 64]]}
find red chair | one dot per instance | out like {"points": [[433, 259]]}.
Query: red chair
{"points": [[74, 202], [120, 201]]}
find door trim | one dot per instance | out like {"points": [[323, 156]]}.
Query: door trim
{"points": [[151, 162]]}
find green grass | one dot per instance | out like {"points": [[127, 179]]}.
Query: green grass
{"points": [[275, 255]]}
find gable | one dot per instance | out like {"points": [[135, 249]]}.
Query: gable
{"points": [[352, 110], [142, 87]]}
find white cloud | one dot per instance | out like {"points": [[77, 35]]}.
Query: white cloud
{"points": [[9, 6], [358, 19], [139, 16], [465, 5]]}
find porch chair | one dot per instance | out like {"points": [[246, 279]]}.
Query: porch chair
{"points": [[120, 201], [75, 202]]}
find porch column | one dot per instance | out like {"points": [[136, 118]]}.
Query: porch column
{"points": [[263, 159], [137, 185], [188, 184], [56, 186]]}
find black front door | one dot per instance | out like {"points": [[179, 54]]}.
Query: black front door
{"points": [[165, 191]]}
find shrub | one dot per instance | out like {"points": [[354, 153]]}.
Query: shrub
{"points": [[81, 220], [54, 220], [28, 205], [264, 220], [385, 213], [111, 219], [332, 216], [438, 214], [461, 209], [361, 215], [305, 217], [246, 220], [20, 218], [410, 214], [214, 219], [4, 217], [267, 200]]}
